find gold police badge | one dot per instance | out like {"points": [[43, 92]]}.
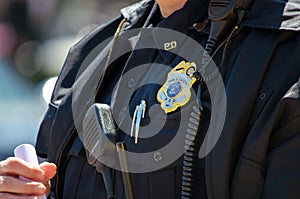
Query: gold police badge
{"points": [[176, 90]]}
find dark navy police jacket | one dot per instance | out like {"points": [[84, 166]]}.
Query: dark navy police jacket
{"points": [[258, 152]]}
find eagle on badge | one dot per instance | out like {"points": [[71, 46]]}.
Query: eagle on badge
{"points": [[176, 91]]}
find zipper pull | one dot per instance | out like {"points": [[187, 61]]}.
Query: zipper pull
{"points": [[241, 13]]}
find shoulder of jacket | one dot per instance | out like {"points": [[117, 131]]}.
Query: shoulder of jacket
{"points": [[274, 15]]}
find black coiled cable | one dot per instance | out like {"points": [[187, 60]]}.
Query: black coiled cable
{"points": [[210, 48], [190, 154], [192, 142]]}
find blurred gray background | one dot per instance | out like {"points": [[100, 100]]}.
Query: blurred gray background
{"points": [[34, 39]]}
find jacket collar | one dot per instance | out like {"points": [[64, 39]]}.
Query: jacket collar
{"points": [[275, 14]]}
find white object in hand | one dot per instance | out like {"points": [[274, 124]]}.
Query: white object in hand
{"points": [[27, 153]]}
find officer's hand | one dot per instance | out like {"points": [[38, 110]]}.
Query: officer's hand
{"points": [[13, 188]]}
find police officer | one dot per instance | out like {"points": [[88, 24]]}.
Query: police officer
{"points": [[255, 156]]}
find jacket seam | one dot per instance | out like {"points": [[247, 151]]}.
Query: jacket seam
{"points": [[53, 105], [252, 163], [288, 121], [274, 137]]}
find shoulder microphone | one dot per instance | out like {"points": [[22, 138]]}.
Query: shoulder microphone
{"points": [[224, 15]]}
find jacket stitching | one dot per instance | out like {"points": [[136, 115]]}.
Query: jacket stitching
{"points": [[252, 163], [288, 121]]}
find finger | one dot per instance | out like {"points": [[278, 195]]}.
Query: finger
{"points": [[48, 187], [17, 166], [10, 184], [13, 196], [49, 170]]}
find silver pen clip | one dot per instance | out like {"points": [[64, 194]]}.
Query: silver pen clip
{"points": [[133, 121]]}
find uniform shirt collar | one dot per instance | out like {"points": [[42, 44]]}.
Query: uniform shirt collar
{"points": [[267, 14], [180, 21]]}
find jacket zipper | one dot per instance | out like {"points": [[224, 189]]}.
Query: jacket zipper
{"points": [[71, 136], [228, 44], [241, 15]]}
